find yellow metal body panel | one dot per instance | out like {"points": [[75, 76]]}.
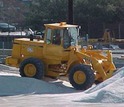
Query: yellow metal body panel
{"points": [[24, 48], [53, 52], [30, 48], [12, 61]]}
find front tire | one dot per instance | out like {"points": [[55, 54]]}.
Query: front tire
{"points": [[32, 67], [81, 77]]}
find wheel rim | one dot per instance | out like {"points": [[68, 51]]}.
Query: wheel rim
{"points": [[30, 70], [79, 77]]}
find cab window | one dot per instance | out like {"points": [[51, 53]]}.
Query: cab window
{"points": [[56, 37], [70, 37], [48, 36]]}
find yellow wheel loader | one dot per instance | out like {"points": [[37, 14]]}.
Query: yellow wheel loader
{"points": [[59, 55]]}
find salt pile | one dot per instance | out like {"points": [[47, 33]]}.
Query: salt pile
{"points": [[13, 85], [110, 91]]}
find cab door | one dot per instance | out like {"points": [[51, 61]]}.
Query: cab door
{"points": [[53, 52], [52, 48]]}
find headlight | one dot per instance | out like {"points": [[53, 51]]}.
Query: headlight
{"points": [[100, 61]]}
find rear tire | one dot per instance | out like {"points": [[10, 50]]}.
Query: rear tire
{"points": [[81, 77], [32, 67]]}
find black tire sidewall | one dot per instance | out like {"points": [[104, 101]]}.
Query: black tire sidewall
{"points": [[90, 77], [37, 63]]}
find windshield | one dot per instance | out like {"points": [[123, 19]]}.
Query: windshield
{"points": [[73, 32], [48, 36], [70, 37]]}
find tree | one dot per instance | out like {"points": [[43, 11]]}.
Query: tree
{"points": [[45, 11], [99, 10], [85, 11]]}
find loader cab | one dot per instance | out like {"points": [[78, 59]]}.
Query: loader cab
{"points": [[63, 35], [59, 39]]}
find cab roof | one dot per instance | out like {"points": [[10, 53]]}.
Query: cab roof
{"points": [[60, 25]]}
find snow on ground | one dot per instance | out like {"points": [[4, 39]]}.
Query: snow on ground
{"points": [[11, 85], [110, 91], [16, 91]]}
